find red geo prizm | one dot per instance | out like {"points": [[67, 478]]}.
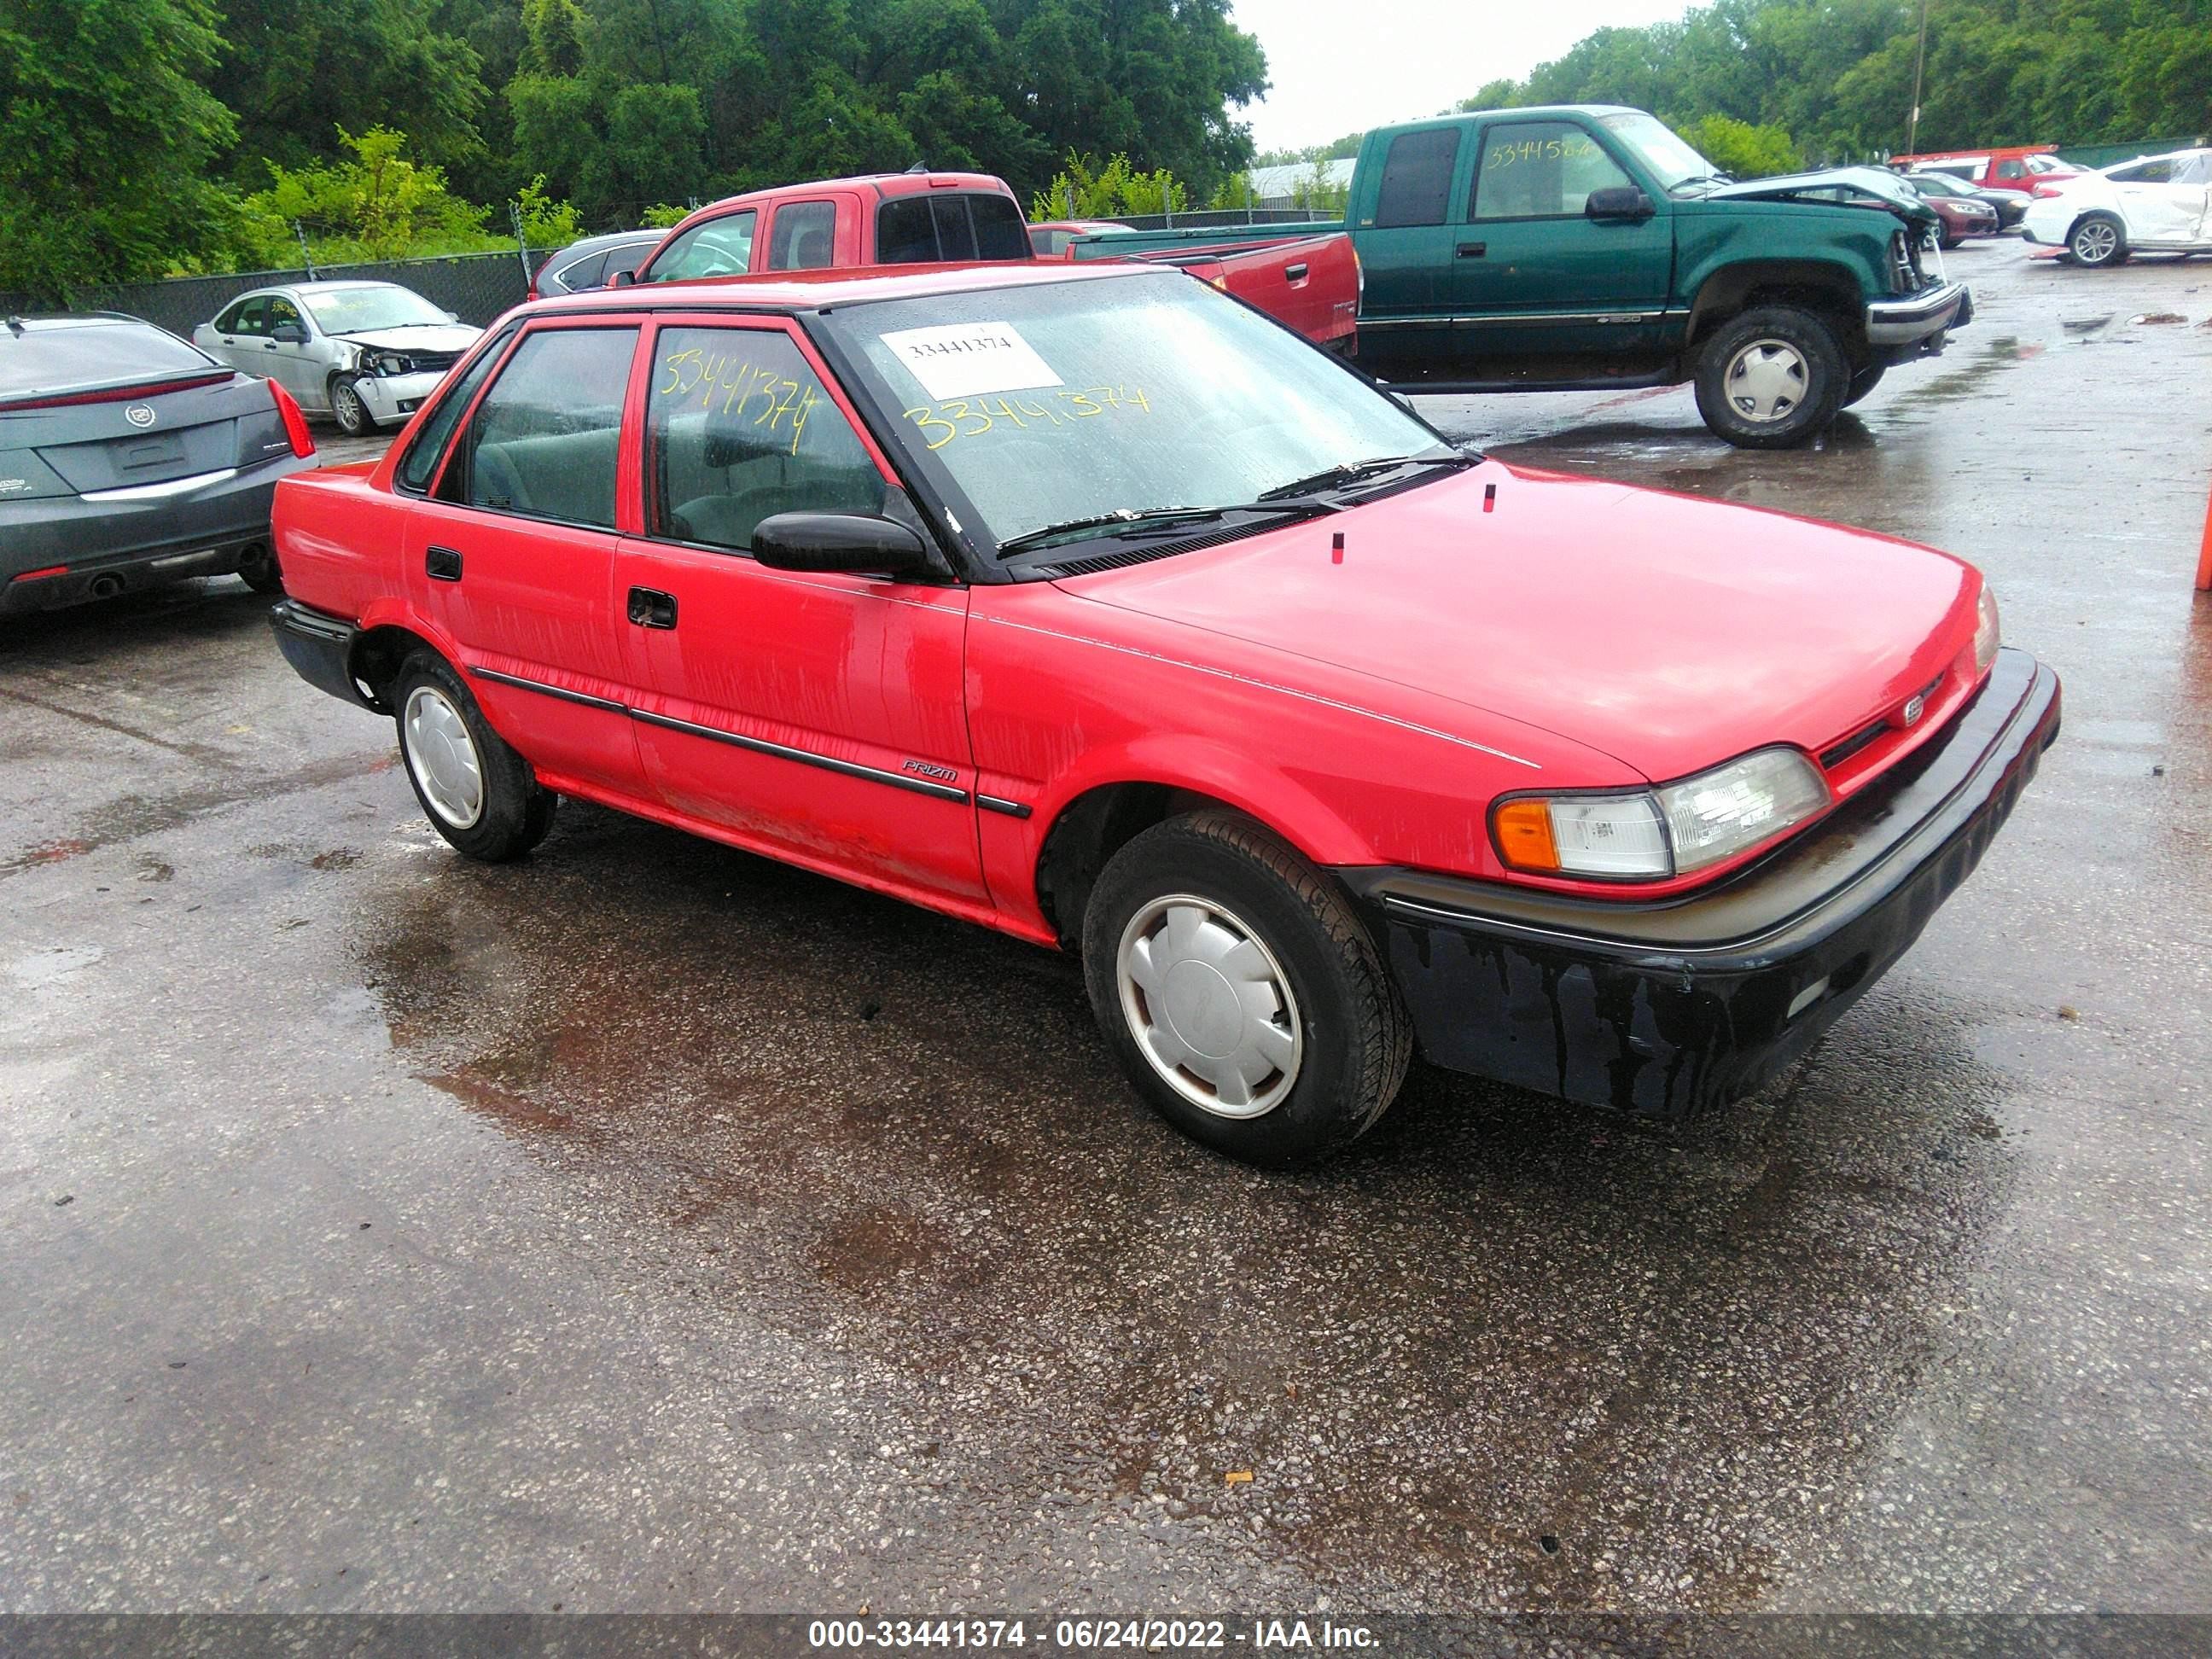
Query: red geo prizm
{"points": [[1089, 604]]}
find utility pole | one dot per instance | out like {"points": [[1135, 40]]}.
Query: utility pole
{"points": [[1919, 62]]}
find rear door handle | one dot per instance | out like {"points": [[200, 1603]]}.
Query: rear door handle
{"points": [[442, 564], [1473, 250], [651, 608]]}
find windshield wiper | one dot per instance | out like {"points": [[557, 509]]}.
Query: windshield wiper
{"points": [[1701, 179], [1129, 520], [1334, 477]]}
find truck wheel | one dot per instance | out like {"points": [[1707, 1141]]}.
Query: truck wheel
{"points": [[2098, 238], [1862, 383], [1241, 992], [477, 791], [1771, 379]]}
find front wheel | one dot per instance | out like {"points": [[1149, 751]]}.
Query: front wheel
{"points": [[2098, 240], [1862, 383], [347, 408], [1241, 992], [477, 791], [1771, 379]]}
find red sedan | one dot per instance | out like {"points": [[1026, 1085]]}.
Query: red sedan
{"points": [[1089, 604]]}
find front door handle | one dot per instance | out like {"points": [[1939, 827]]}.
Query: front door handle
{"points": [[442, 564], [268, 345], [1473, 250], [651, 608]]}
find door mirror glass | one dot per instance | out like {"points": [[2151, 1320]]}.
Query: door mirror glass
{"points": [[623, 279], [290, 333], [1617, 202], [838, 541]]}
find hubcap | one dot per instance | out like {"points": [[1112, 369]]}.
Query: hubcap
{"points": [[442, 755], [1210, 1006], [2093, 243], [1766, 380], [351, 414]]}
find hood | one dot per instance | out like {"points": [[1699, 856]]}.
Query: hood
{"points": [[448, 337], [1667, 632], [1873, 186]]}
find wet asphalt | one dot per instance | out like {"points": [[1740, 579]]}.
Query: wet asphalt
{"points": [[649, 1226]]}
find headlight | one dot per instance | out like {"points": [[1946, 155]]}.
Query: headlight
{"points": [[1651, 835], [1988, 635], [390, 362]]}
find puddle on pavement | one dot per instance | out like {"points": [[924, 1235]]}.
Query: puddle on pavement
{"points": [[1500, 1319]]}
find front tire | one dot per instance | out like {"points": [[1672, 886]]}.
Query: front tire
{"points": [[1241, 992], [347, 408], [1862, 383], [1771, 379], [477, 791], [2098, 240]]}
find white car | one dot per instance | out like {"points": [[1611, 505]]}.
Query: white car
{"points": [[2159, 204], [365, 353]]}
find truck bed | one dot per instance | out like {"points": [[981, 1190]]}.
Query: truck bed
{"points": [[1307, 279]]}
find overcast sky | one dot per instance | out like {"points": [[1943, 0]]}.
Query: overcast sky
{"points": [[1338, 68]]}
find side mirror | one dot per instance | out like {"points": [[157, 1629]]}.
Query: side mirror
{"points": [[1618, 202], [623, 279], [289, 334], [840, 541]]}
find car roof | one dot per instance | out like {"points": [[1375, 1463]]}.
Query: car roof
{"points": [[2163, 155], [43, 322], [608, 239], [793, 291]]}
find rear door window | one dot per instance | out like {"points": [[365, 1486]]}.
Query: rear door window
{"points": [[1417, 178], [580, 274], [803, 236], [737, 426], [246, 317], [545, 441], [719, 247]]}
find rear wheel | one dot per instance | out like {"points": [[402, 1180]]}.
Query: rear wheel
{"points": [[1771, 377], [2098, 238], [477, 791], [1241, 992], [258, 570]]}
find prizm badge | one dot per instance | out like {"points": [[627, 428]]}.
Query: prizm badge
{"points": [[141, 415], [930, 771]]}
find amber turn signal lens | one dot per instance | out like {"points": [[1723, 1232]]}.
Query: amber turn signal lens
{"points": [[1524, 835]]}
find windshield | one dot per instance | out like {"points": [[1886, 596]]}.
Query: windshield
{"points": [[358, 310], [1659, 148], [1046, 404]]}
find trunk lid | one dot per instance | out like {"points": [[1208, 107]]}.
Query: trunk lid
{"points": [[1668, 632], [155, 436]]}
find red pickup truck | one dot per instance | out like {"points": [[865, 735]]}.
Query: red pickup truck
{"points": [[1307, 282], [1084, 603]]}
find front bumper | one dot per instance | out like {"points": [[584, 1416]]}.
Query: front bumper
{"points": [[393, 399], [64, 550], [1920, 319], [1667, 1009]]}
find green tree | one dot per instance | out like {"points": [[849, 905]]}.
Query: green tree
{"points": [[1739, 148], [107, 138], [296, 70], [1080, 190], [376, 205]]}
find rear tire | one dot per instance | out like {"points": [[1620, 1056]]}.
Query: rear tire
{"points": [[260, 572], [1771, 377], [475, 789], [2098, 240], [1241, 992]]}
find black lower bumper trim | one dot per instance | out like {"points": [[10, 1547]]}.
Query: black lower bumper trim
{"points": [[320, 647], [1668, 1009]]}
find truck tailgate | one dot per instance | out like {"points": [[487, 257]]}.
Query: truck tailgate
{"points": [[1310, 284]]}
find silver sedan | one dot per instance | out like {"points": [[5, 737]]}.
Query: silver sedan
{"points": [[365, 353]]}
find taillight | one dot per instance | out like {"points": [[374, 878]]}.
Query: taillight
{"points": [[296, 423]]}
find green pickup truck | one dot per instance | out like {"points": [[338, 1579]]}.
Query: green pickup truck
{"points": [[1588, 246]]}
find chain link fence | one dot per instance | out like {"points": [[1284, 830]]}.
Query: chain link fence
{"points": [[475, 286]]}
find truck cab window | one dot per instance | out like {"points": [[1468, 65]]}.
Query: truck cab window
{"points": [[1417, 178]]}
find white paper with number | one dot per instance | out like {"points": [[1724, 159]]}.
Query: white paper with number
{"points": [[964, 359]]}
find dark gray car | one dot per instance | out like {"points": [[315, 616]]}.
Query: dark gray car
{"points": [[129, 459], [593, 262]]}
